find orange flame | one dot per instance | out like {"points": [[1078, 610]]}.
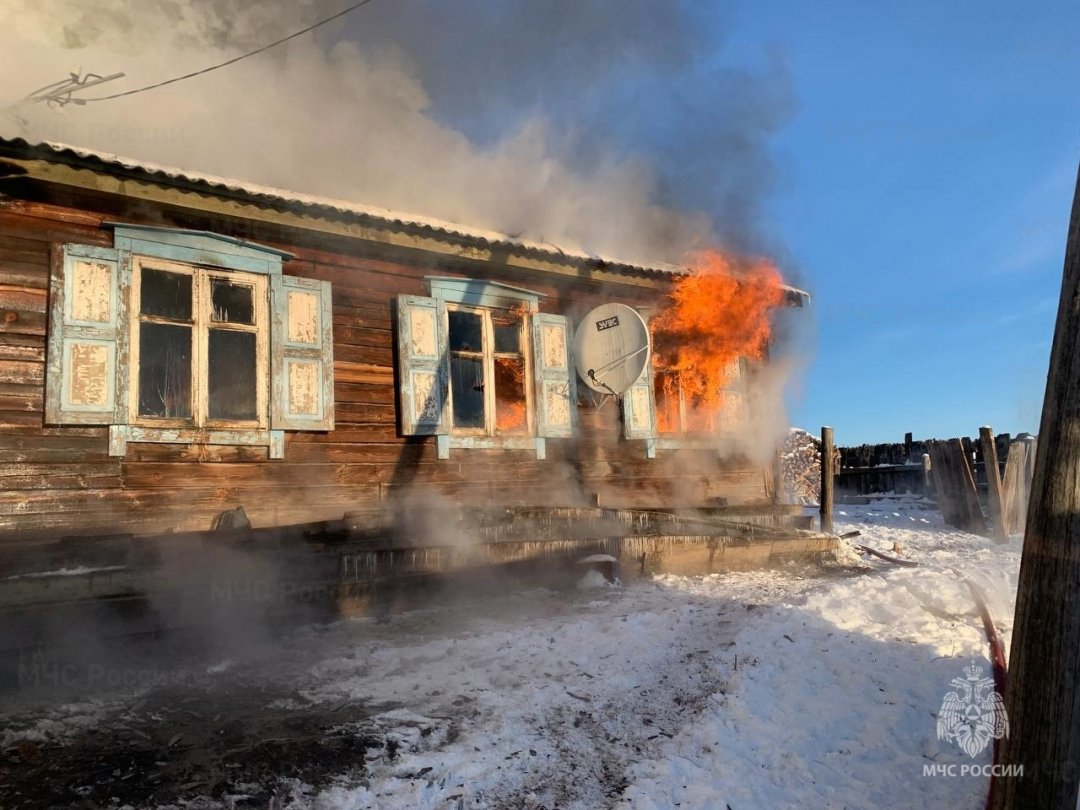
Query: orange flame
{"points": [[509, 416], [510, 413], [717, 314]]}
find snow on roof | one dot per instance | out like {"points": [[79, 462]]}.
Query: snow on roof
{"points": [[385, 215]]}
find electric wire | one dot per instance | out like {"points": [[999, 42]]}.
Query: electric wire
{"points": [[234, 60]]}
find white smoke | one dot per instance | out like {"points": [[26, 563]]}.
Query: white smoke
{"points": [[537, 147]]}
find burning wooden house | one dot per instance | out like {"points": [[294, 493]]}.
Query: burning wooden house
{"points": [[174, 345]]}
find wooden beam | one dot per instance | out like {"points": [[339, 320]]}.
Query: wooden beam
{"points": [[993, 484], [1043, 696], [828, 478]]}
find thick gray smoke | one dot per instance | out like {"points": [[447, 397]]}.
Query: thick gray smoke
{"points": [[609, 126]]}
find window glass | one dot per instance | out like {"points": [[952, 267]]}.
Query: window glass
{"points": [[165, 294], [198, 345], [165, 370], [466, 332], [507, 333], [231, 372], [510, 414], [231, 302], [467, 385]]}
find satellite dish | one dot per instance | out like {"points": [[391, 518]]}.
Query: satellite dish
{"points": [[611, 348]]}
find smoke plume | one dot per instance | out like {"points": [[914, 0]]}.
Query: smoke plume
{"points": [[616, 127]]}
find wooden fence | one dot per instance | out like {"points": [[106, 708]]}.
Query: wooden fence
{"points": [[959, 478]]}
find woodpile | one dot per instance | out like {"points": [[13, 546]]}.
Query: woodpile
{"points": [[800, 467]]}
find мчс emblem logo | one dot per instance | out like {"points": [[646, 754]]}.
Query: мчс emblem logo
{"points": [[974, 714]]}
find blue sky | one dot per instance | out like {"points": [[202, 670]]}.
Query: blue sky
{"points": [[927, 175]]}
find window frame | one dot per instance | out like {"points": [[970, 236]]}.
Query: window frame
{"points": [[202, 322], [683, 440], [734, 385], [488, 356]]}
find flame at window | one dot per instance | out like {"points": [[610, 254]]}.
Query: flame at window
{"points": [[715, 315], [510, 414]]}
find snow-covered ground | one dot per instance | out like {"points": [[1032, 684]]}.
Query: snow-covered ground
{"points": [[767, 689]]}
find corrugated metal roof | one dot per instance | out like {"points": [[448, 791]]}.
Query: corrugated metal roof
{"points": [[320, 206], [66, 153]]}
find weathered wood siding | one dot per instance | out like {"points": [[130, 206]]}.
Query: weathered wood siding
{"points": [[60, 480]]}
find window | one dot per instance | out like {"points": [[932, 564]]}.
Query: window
{"points": [[680, 413], [659, 410], [187, 337], [488, 390], [198, 346], [480, 366]]}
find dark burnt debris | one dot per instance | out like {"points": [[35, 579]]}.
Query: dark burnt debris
{"points": [[238, 741]]}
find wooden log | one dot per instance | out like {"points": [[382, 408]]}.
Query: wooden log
{"points": [[1043, 695], [22, 372], [993, 484], [828, 479]]}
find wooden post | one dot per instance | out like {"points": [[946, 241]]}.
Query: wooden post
{"points": [[993, 484], [828, 475], [973, 520], [1043, 695], [1015, 496]]}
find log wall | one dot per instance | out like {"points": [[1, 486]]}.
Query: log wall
{"points": [[60, 480]]}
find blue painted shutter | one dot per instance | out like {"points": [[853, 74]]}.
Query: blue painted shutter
{"points": [[639, 407], [555, 382], [301, 354], [86, 324], [423, 365]]}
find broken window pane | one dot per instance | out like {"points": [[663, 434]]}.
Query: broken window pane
{"points": [[165, 370], [507, 330], [510, 395], [232, 375], [466, 332], [231, 303], [467, 390], [167, 295]]}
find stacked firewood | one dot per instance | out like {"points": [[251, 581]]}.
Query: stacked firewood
{"points": [[800, 467]]}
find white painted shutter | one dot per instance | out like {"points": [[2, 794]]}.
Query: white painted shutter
{"points": [[639, 407], [85, 328], [554, 376], [423, 365], [301, 354]]}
